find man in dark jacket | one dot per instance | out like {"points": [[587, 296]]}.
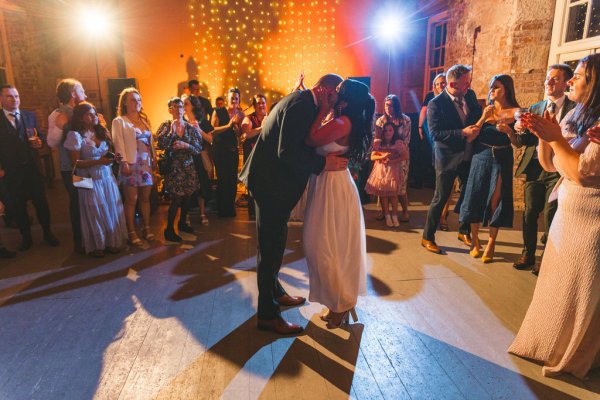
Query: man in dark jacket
{"points": [[276, 174], [18, 143]]}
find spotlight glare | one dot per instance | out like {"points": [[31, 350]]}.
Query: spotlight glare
{"points": [[94, 22], [390, 24]]}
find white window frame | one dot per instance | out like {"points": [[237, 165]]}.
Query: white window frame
{"points": [[432, 21], [562, 51]]}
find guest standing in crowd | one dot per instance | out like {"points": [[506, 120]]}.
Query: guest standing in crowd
{"points": [[103, 226], [196, 116], [451, 117], [539, 183], [181, 141], [337, 258], [69, 92], [251, 128], [488, 196], [132, 138], [194, 88], [226, 122], [388, 179], [19, 141], [562, 325], [438, 86], [393, 113]]}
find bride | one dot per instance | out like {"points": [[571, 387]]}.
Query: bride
{"points": [[334, 231]]}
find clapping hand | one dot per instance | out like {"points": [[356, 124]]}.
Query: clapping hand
{"points": [[594, 134], [546, 128]]}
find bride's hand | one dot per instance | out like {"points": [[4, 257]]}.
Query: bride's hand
{"points": [[323, 100], [335, 163]]}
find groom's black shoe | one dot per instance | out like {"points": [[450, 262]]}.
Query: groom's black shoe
{"points": [[290, 301], [279, 325]]}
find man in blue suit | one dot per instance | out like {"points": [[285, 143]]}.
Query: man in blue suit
{"points": [[451, 117], [539, 183], [18, 143]]}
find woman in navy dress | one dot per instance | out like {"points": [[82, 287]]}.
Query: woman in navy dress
{"points": [[488, 197]]}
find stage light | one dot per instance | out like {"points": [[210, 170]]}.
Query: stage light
{"points": [[95, 22], [389, 25]]}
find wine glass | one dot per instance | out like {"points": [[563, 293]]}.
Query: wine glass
{"points": [[518, 113]]}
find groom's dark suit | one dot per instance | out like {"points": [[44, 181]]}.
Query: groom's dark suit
{"points": [[445, 126], [276, 174]]}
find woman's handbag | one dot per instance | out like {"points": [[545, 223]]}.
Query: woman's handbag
{"points": [[82, 182]]}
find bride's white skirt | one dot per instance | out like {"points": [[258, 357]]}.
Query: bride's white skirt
{"points": [[335, 241]]}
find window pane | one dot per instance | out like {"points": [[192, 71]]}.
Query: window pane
{"points": [[444, 35], [436, 58], [443, 60], [594, 29], [438, 36], [576, 22]]}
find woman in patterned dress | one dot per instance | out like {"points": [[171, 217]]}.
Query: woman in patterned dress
{"points": [[182, 141]]}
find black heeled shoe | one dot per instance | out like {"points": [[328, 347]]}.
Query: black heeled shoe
{"points": [[171, 236]]}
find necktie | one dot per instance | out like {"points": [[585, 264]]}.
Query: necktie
{"points": [[461, 111], [15, 115], [552, 107]]}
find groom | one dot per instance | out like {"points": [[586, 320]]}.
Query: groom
{"points": [[276, 174]]}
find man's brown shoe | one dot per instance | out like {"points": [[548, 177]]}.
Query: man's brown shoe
{"points": [[431, 246], [279, 325], [466, 239], [290, 301], [524, 262]]}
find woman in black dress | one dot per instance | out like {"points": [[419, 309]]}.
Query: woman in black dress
{"points": [[226, 123], [488, 196]]}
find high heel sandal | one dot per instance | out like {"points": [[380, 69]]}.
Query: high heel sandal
{"points": [[475, 252], [148, 235], [344, 320], [203, 219], [388, 221], [134, 239], [326, 316], [488, 259]]}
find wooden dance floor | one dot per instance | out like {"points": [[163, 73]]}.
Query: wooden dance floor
{"points": [[178, 321]]}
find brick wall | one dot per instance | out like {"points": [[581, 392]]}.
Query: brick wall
{"points": [[33, 59], [514, 39]]}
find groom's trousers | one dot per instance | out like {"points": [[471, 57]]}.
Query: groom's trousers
{"points": [[271, 224]]}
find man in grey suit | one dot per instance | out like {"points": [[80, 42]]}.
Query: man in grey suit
{"points": [[276, 173], [539, 183]]}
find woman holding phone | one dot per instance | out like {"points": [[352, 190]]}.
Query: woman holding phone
{"points": [[101, 210]]}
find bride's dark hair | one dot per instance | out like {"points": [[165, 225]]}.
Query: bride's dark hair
{"points": [[360, 110]]}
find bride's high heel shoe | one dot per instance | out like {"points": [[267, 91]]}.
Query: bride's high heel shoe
{"points": [[326, 316], [345, 319]]}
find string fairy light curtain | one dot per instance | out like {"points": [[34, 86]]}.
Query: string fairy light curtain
{"points": [[262, 46]]}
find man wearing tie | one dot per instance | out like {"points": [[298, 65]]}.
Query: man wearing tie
{"points": [[451, 117], [18, 144], [539, 183]]}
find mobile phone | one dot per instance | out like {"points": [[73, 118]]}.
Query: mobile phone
{"points": [[109, 154]]}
